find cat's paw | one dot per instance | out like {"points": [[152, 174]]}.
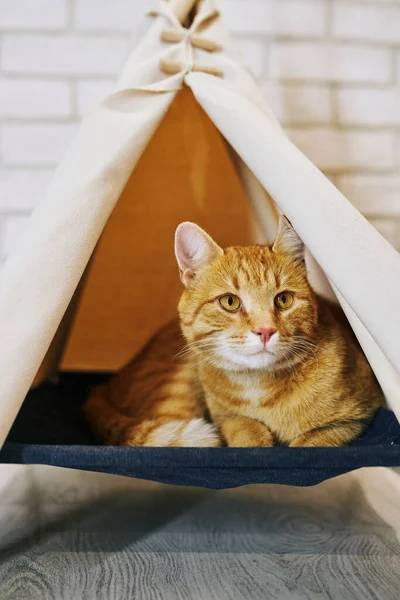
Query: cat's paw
{"points": [[196, 433], [242, 432]]}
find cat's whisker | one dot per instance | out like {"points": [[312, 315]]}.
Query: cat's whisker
{"points": [[305, 350], [185, 351], [204, 345], [290, 365], [305, 341], [198, 344], [191, 345], [217, 348], [299, 350]]}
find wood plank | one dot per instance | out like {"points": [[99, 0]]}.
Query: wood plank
{"points": [[152, 541]]}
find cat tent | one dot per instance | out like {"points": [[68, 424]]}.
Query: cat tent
{"points": [[186, 135]]}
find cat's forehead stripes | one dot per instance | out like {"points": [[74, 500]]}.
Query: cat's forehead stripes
{"points": [[251, 267]]}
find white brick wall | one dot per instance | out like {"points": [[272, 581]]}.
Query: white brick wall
{"points": [[253, 52], [115, 16], [30, 15], [327, 61], [301, 103], [24, 99], [22, 189], [374, 195], [368, 107], [296, 18], [335, 150], [371, 23], [397, 67], [11, 229], [28, 144], [62, 55], [398, 149]]}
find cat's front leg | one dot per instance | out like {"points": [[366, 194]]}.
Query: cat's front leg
{"points": [[332, 434], [242, 432]]}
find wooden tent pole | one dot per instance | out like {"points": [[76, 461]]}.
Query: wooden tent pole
{"points": [[181, 8]]}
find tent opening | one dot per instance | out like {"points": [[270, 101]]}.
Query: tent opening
{"points": [[132, 287]]}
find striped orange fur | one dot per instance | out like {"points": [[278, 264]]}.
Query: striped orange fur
{"points": [[263, 360]]}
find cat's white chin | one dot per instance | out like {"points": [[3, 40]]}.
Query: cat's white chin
{"points": [[250, 354], [262, 359]]}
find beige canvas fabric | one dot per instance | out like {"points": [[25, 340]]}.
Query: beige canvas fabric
{"points": [[39, 279]]}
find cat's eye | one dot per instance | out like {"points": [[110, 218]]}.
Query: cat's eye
{"points": [[230, 302], [284, 300]]}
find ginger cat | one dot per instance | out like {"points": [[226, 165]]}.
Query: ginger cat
{"points": [[265, 358]]}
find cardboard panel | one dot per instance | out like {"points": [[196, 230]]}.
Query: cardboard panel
{"points": [[132, 286]]}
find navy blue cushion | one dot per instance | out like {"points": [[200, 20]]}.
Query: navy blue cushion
{"points": [[50, 430]]}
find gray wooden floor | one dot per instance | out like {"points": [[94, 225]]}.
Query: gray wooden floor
{"points": [[157, 542]]}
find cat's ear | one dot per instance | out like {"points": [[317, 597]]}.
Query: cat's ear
{"points": [[194, 250], [287, 240]]}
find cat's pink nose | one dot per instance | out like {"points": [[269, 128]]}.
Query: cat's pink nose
{"points": [[264, 333]]}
